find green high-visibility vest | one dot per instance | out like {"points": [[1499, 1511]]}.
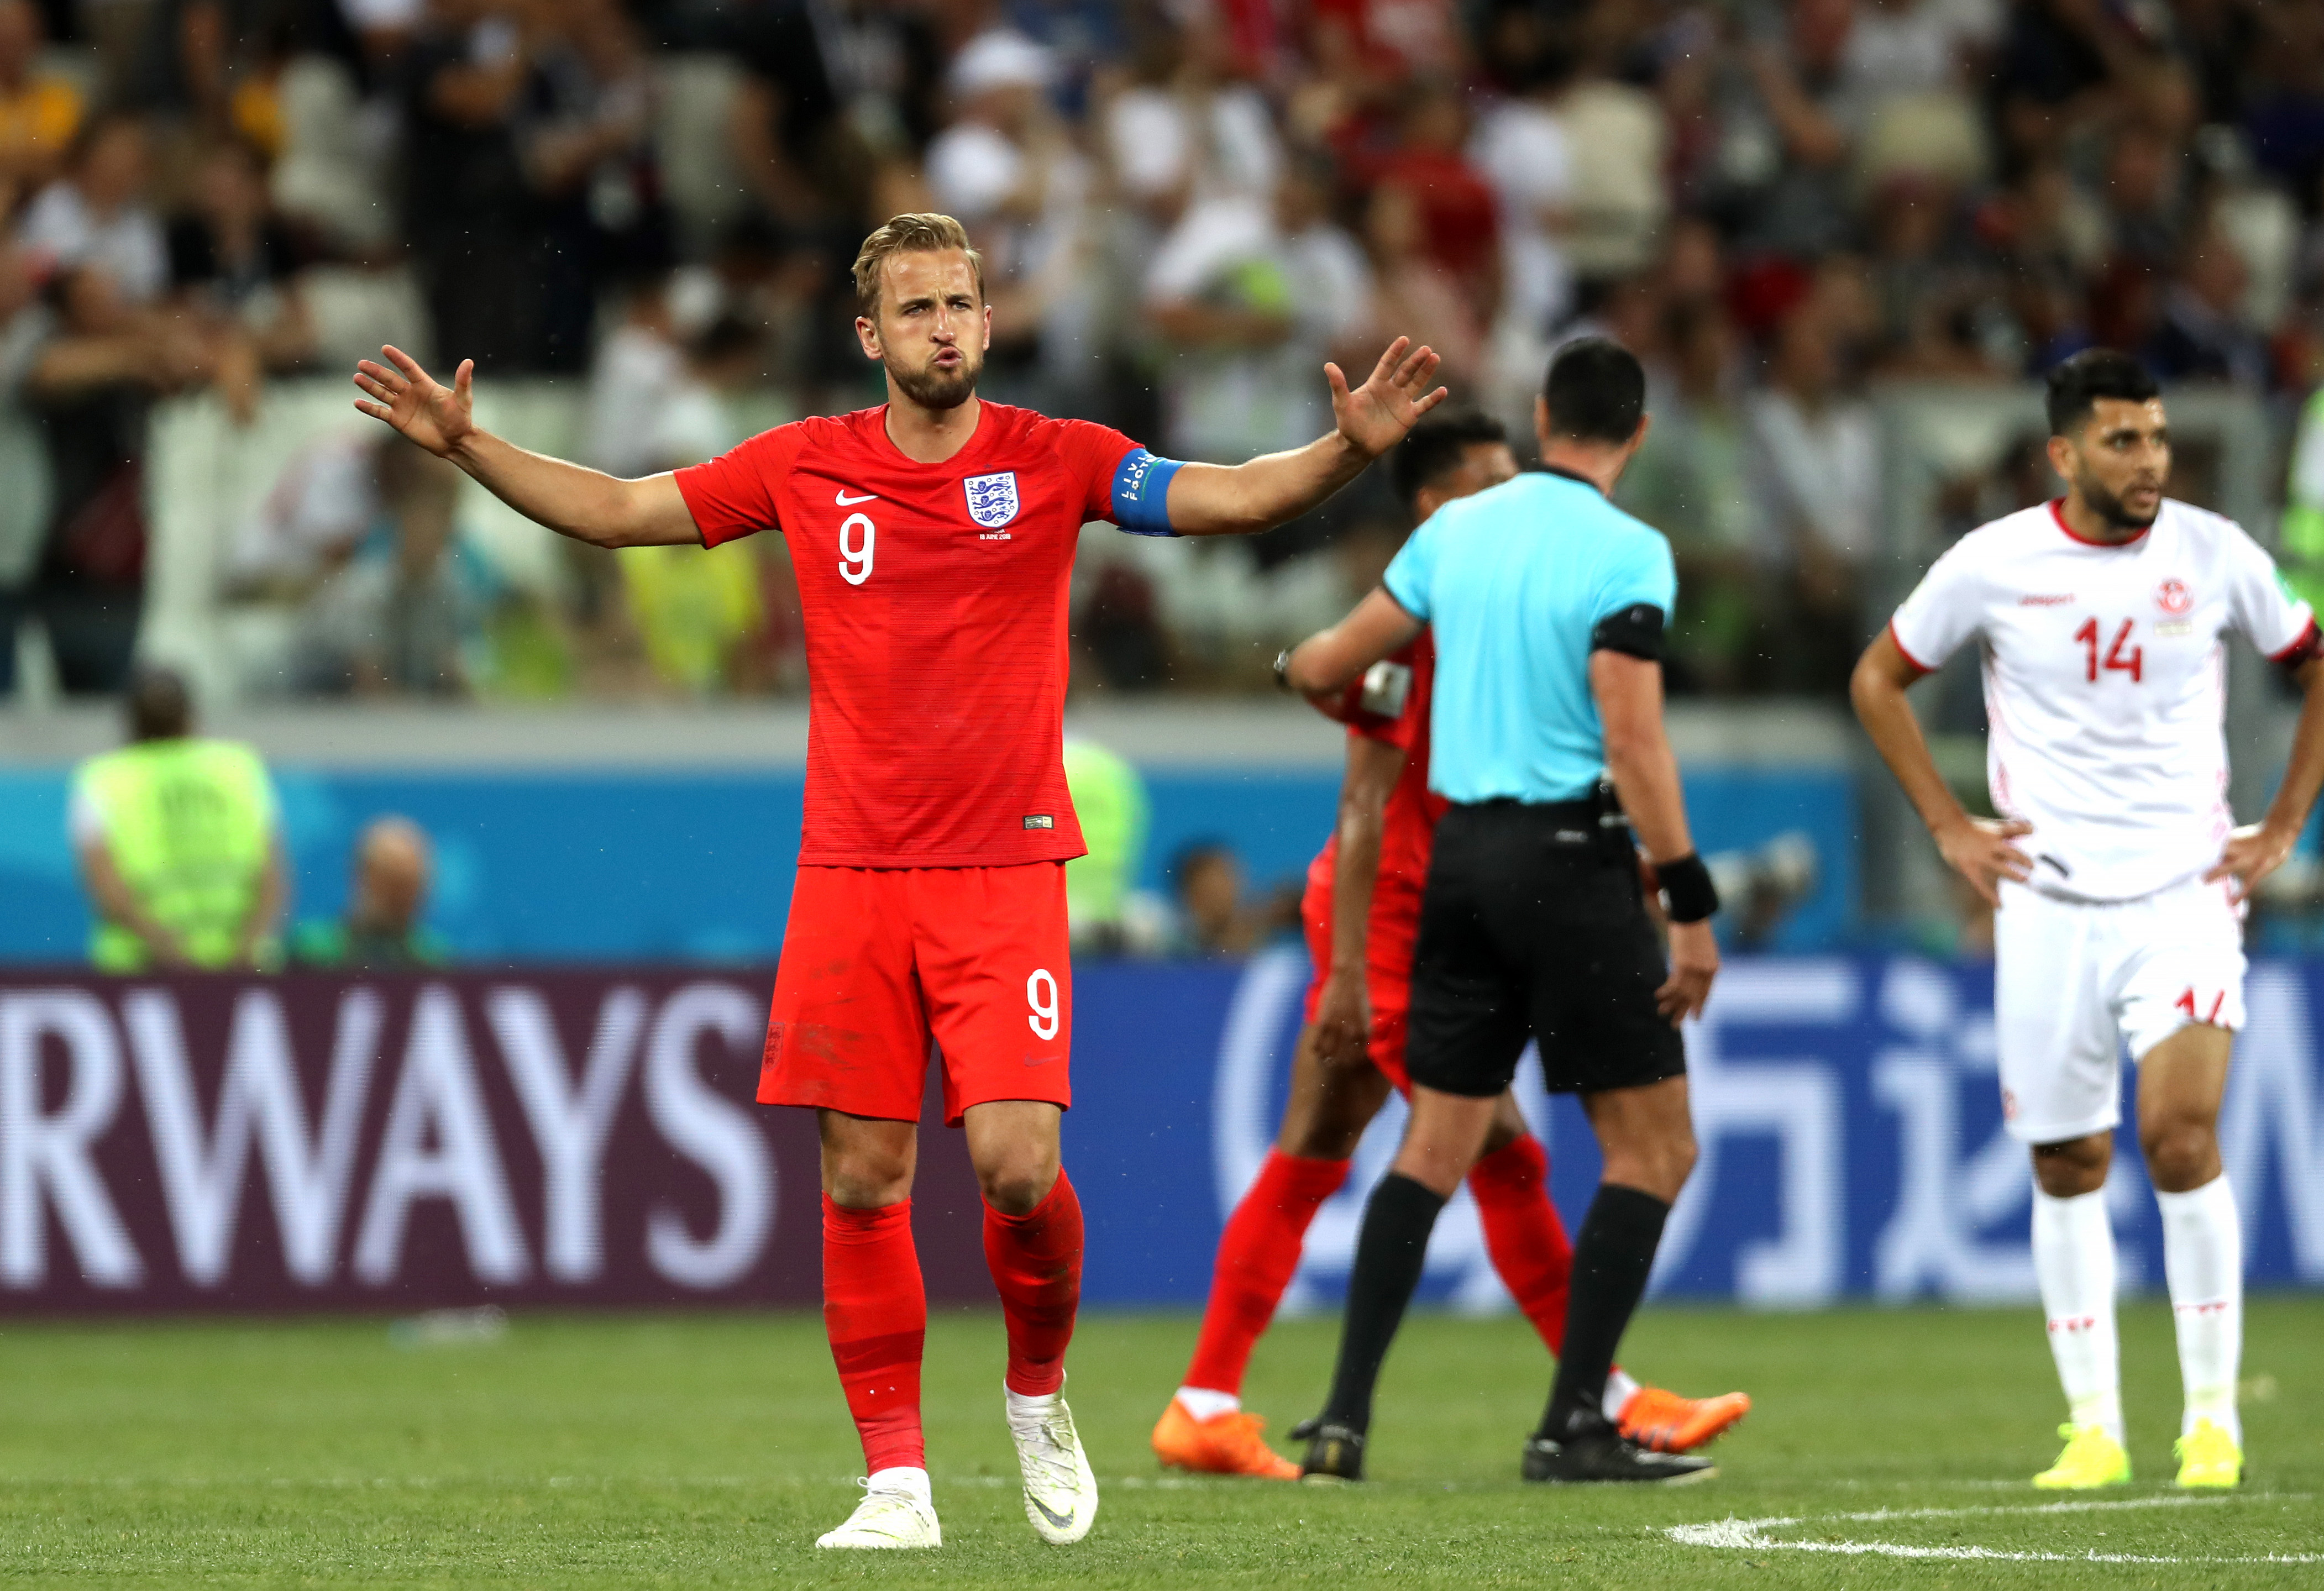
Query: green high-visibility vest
{"points": [[189, 824], [2302, 549], [1109, 800]]}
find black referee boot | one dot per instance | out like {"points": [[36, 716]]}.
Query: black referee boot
{"points": [[1335, 1453], [1601, 1453]]}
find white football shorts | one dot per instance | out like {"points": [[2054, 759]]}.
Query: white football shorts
{"points": [[2075, 981]]}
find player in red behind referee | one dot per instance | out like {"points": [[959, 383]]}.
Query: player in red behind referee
{"points": [[1361, 910], [933, 539]]}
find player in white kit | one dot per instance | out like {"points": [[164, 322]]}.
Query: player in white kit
{"points": [[2118, 872]]}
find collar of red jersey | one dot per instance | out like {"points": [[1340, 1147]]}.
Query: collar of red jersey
{"points": [[987, 423]]}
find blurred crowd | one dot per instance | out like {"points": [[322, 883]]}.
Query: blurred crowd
{"points": [[1186, 206]]}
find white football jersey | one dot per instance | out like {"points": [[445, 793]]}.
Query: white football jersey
{"points": [[2105, 684]]}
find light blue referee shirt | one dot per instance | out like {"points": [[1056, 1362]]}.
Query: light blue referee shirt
{"points": [[1514, 580]]}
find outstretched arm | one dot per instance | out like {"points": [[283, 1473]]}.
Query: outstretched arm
{"points": [[1234, 499], [583, 503]]}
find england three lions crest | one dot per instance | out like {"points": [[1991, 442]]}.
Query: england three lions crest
{"points": [[992, 501]]}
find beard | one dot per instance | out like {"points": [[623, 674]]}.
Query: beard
{"points": [[2110, 508], [932, 387]]}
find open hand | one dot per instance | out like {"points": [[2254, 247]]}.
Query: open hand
{"points": [[1375, 417], [2252, 852], [1979, 850], [416, 404]]}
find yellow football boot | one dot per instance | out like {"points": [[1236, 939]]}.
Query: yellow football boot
{"points": [[2208, 1457], [2091, 1459]]}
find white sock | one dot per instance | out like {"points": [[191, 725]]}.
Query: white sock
{"points": [[902, 1477], [2073, 1258], [2203, 1261], [1204, 1403], [1025, 1406], [1618, 1390]]}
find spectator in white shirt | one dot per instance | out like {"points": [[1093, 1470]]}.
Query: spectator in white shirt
{"points": [[1250, 298], [1521, 148], [1188, 133], [97, 214], [1007, 167], [638, 368]]}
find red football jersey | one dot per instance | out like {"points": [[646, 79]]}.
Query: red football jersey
{"points": [[1409, 822], [935, 603]]}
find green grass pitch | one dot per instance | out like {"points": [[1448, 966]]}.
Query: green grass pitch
{"points": [[690, 1451]]}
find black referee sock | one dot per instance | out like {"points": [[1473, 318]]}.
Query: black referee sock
{"points": [[1397, 1219], [1611, 1259]]}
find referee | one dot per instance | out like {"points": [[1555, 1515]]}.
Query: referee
{"points": [[1548, 605]]}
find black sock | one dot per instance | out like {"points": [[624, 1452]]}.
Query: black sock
{"points": [[1397, 1219], [1612, 1259]]}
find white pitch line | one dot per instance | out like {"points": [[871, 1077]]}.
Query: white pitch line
{"points": [[1750, 1535], [1876, 1515]]}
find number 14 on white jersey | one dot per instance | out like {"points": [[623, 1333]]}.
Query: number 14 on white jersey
{"points": [[2104, 683]]}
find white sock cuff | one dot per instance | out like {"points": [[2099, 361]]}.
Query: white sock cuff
{"points": [[2197, 1201], [2072, 1203], [1030, 1404], [1204, 1402], [900, 1477]]}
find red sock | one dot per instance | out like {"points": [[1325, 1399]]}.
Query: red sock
{"points": [[1036, 1259], [1257, 1252], [876, 1314], [1523, 1234]]}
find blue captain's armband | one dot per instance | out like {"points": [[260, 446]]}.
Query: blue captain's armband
{"points": [[1141, 493]]}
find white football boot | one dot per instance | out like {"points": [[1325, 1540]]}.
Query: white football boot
{"points": [[897, 1511], [1060, 1492]]}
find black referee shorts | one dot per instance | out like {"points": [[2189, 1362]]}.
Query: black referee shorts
{"points": [[1532, 923]]}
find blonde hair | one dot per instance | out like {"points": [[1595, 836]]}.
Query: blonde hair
{"points": [[920, 232]]}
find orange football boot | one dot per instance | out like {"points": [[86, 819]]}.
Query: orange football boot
{"points": [[1664, 1422], [1224, 1444]]}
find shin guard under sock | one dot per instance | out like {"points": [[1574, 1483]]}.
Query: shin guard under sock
{"points": [[2203, 1262], [1036, 1259], [1523, 1234], [1611, 1267], [1389, 1252], [876, 1314], [2074, 1264], [1257, 1253]]}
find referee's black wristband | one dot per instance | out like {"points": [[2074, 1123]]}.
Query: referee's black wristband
{"points": [[1687, 888]]}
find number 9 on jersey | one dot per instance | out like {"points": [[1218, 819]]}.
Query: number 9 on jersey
{"points": [[854, 556]]}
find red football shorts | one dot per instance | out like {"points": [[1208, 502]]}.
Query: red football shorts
{"points": [[879, 961], [1389, 944]]}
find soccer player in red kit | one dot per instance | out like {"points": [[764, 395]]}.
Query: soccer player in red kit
{"points": [[1361, 910], [933, 539]]}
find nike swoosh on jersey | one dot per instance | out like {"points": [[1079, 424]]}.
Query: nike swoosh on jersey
{"points": [[843, 501]]}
